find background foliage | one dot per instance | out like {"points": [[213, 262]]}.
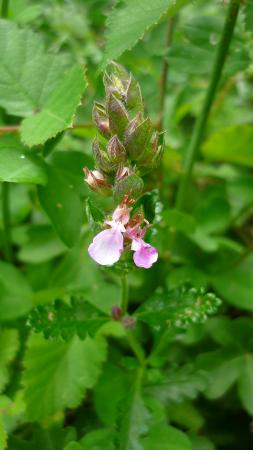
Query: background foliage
{"points": [[71, 377]]}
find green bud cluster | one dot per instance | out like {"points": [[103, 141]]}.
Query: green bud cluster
{"points": [[127, 146]]}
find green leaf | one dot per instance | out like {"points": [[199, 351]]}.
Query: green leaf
{"points": [[15, 292], [166, 438], [248, 9], [245, 384], [57, 374], [58, 111], [9, 344], [128, 23], [178, 308], [62, 320], [100, 439], [62, 205], [239, 290], [178, 384], [202, 443], [133, 417], [3, 435], [28, 74], [17, 165], [224, 145], [73, 446]]}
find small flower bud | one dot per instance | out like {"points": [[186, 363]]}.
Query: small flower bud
{"points": [[137, 137], [131, 185], [134, 100], [116, 312], [117, 113], [96, 181], [101, 158], [122, 172], [116, 150], [151, 158], [101, 120]]}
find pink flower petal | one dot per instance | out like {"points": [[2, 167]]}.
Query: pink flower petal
{"points": [[144, 254], [106, 247]]}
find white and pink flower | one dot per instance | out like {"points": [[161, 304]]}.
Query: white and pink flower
{"points": [[108, 245]]}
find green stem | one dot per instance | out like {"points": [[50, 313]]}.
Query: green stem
{"points": [[6, 220], [136, 347], [201, 122], [124, 294], [4, 8]]}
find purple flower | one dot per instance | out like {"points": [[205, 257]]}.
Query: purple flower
{"points": [[107, 246], [144, 254]]}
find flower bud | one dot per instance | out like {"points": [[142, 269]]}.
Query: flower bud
{"points": [[116, 150], [96, 181], [122, 172], [134, 101], [117, 113], [101, 158], [101, 120], [137, 137], [131, 185], [152, 156]]}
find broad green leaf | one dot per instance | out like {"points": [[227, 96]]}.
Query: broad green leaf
{"points": [[18, 165], [28, 74], [178, 384], [3, 435], [224, 145], [222, 367], [245, 383], [9, 344], [101, 439], [133, 417], [248, 9], [201, 443], [166, 438], [57, 374], [41, 245], [73, 446], [15, 292], [62, 205], [127, 23], [235, 284], [62, 320], [58, 111]]}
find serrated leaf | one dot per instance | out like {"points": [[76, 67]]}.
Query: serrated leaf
{"points": [[128, 23], [15, 292], [58, 111], [62, 205], [17, 165], [28, 75], [57, 373], [224, 145], [63, 320], [9, 344], [178, 308]]}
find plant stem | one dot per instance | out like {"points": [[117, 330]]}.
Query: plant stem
{"points": [[4, 8], [136, 347], [6, 220], [201, 122], [165, 71], [124, 294]]}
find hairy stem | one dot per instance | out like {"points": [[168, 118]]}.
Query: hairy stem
{"points": [[124, 294], [199, 129], [165, 71], [6, 220], [4, 8]]}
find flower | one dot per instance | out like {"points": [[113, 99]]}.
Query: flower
{"points": [[96, 181], [144, 254], [107, 246]]}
